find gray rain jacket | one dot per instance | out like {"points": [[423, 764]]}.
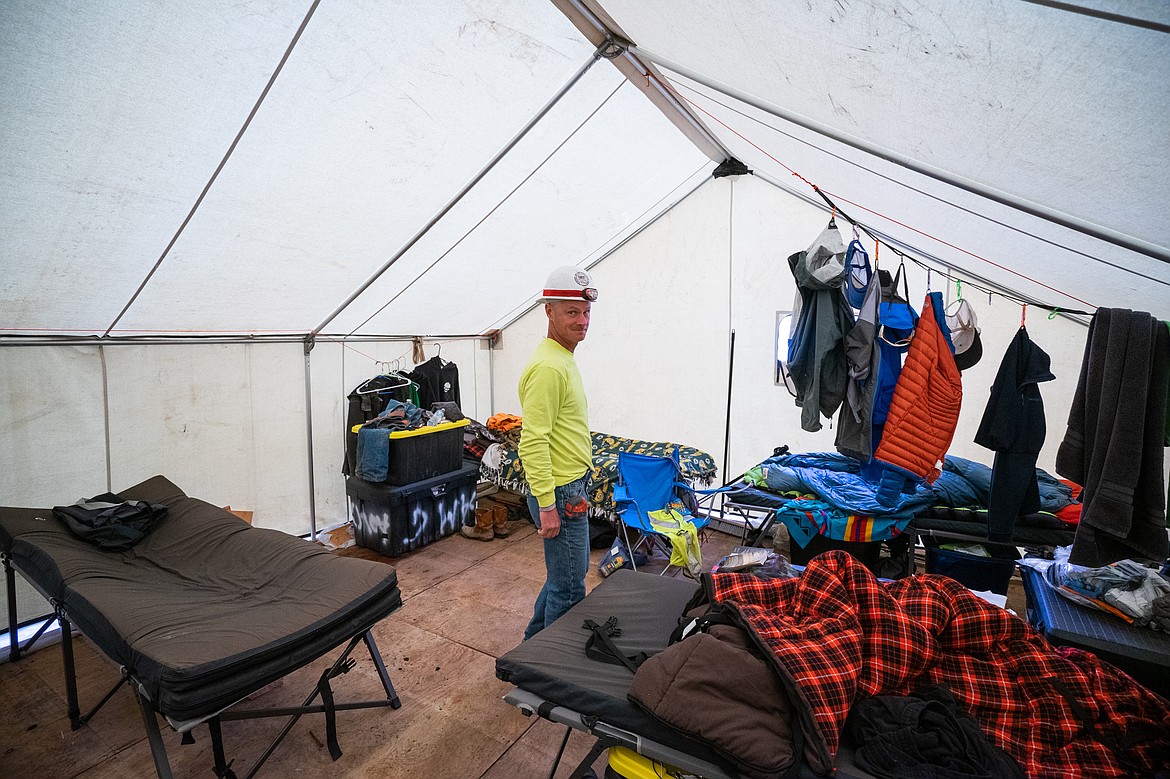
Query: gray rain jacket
{"points": [[816, 354]]}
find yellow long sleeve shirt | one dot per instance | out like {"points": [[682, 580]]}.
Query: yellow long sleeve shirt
{"points": [[555, 445]]}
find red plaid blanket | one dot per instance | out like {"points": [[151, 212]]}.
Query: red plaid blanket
{"points": [[842, 636]]}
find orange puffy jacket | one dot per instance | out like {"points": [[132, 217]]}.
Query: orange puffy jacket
{"points": [[925, 408]]}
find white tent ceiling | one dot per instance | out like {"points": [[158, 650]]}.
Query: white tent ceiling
{"points": [[1047, 107], [115, 118]]}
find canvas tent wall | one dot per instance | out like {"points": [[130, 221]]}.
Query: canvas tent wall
{"points": [[192, 194]]}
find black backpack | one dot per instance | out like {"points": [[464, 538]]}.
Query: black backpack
{"points": [[109, 522]]}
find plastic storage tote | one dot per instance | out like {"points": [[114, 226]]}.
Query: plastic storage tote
{"points": [[972, 571], [424, 453], [392, 520]]}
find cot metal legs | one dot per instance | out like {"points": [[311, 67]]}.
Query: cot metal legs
{"points": [[328, 707], [223, 768], [70, 670], [751, 534], [560, 752], [376, 656], [150, 719], [158, 749], [600, 745], [84, 718], [76, 718], [10, 583], [15, 650]]}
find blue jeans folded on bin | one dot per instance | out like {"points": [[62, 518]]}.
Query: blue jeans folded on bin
{"points": [[373, 454]]}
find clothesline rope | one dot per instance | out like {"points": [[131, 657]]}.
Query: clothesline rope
{"points": [[375, 360], [825, 196], [1124, 267], [877, 241]]}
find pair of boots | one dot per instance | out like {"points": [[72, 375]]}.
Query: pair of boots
{"points": [[490, 522]]}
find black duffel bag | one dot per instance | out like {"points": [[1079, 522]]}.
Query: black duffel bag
{"points": [[109, 522]]}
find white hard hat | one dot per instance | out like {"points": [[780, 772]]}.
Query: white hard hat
{"points": [[568, 283]]}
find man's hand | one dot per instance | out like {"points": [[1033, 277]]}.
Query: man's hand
{"points": [[550, 522]]}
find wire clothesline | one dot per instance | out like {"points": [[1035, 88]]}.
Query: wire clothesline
{"points": [[1017, 299], [950, 276], [925, 193], [438, 342]]}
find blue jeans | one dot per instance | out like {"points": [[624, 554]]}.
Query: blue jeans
{"points": [[566, 557]]}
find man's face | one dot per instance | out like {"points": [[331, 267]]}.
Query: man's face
{"points": [[568, 321]]}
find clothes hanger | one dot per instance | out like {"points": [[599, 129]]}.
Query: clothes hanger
{"points": [[401, 373], [393, 374], [379, 390], [957, 302]]}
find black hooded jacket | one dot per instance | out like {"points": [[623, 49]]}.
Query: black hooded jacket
{"points": [[1013, 426]]}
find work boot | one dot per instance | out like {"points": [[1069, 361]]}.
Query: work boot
{"points": [[483, 526], [500, 520], [781, 541]]}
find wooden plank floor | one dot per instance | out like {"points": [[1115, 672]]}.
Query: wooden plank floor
{"points": [[465, 603]]}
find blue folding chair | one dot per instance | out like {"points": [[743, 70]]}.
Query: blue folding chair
{"points": [[645, 484]]}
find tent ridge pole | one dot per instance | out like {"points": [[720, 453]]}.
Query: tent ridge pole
{"points": [[605, 31], [491, 210], [1020, 204], [548, 106]]}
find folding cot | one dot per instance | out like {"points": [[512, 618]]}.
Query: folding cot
{"points": [[756, 509], [842, 637], [201, 613], [556, 679], [936, 512]]}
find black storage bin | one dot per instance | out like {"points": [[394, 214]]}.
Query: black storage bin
{"points": [[867, 552], [425, 452], [974, 572], [392, 520]]}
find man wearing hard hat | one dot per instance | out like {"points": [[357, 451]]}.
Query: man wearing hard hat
{"points": [[555, 445]]}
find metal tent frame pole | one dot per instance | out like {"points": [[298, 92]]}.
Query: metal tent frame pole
{"points": [[309, 344]]}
